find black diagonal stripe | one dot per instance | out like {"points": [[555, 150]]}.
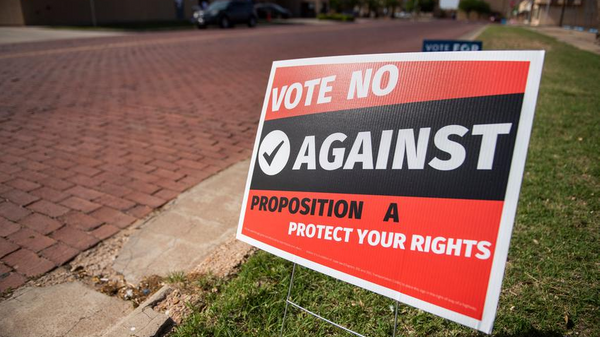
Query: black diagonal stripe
{"points": [[466, 182]]}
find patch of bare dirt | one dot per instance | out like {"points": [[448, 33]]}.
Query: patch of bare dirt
{"points": [[94, 268], [222, 263], [225, 259]]}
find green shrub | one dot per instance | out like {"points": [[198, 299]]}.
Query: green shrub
{"points": [[336, 17], [419, 5], [477, 6]]}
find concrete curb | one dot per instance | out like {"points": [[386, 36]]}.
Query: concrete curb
{"points": [[67, 309], [473, 34], [144, 321], [183, 234]]}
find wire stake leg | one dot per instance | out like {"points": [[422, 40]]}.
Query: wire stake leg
{"points": [[288, 303], [287, 300], [395, 319]]}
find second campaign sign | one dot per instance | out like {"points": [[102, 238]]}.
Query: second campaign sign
{"points": [[398, 173]]}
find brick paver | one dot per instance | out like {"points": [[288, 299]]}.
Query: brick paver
{"points": [[7, 227], [28, 263], [11, 280], [41, 223], [7, 247], [59, 253], [96, 134], [31, 240], [75, 237]]}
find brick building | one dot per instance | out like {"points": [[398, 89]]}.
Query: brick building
{"points": [[86, 12], [83, 12], [577, 13], [302, 8], [503, 7]]}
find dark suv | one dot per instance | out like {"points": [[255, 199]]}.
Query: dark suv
{"points": [[226, 13]]}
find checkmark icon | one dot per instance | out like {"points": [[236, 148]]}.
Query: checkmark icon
{"points": [[269, 157], [274, 152]]}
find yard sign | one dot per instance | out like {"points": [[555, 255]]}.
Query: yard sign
{"points": [[451, 45], [398, 173]]}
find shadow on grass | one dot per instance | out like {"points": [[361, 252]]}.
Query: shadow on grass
{"points": [[530, 332]]}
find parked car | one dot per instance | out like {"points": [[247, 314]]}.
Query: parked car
{"points": [[226, 13], [402, 15], [277, 12]]}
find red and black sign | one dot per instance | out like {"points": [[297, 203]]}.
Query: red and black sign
{"points": [[396, 173]]}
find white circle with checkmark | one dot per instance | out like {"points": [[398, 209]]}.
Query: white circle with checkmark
{"points": [[274, 152]]}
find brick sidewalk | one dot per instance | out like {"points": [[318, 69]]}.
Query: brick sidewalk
{"points": [[97, 134]]}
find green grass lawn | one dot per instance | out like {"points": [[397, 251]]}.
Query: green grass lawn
{"points": [[552, 281]]}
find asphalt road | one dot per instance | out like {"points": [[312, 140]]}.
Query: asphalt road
{"points": [[97, 133]]}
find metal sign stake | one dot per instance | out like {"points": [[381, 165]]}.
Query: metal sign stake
{"points": [[395, 318], [288, 302]]}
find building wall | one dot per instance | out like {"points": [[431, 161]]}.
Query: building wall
{"points": [[292, 5], [11, 13], [189, 5], [79, 12], [582, 15], [110, 11], [56, 12], [502, 6], [299, 8]]}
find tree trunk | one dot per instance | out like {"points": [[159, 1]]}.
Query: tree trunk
{"points": [[598, 18], [562, 13]]}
